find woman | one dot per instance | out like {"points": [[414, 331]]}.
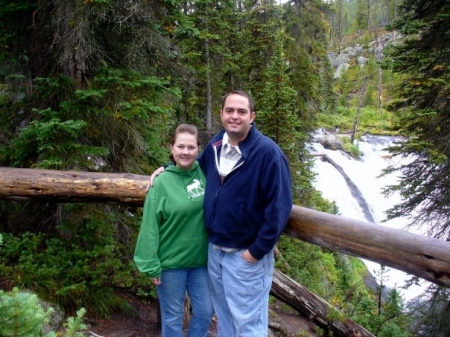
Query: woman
{"points": [[172, 245]]}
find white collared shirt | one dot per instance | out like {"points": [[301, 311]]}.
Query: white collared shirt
{"points": [[229, 156]]}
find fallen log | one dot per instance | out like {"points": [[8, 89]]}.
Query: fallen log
{"points": [[72, 186], [415, 254], [419, 255], [313, 307]]}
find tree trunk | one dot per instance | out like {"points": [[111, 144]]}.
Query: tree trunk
{"points": [[208, 117], [422, 256], [358, 112], [313, 307]]}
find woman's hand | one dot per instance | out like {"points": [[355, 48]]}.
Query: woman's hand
{"points": [[156, 281]]}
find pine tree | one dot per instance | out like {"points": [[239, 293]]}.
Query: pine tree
{"points": [[423, 105], [278, 112], [430, 313], [210, 56], [261, 24], [362, 15], [306, 53], [63, 62]]}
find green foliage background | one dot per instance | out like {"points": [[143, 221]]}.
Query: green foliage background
{"points": [[100, 85]]}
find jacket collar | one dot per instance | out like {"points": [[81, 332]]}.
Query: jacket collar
{"points": [[244, 145]]}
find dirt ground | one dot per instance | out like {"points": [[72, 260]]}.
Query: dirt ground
{"points": [[144, 323]]}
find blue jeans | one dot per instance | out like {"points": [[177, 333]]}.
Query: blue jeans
{"points": [[240, 292], [171, 294]]}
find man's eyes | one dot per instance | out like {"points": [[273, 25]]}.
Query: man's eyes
{"points": [[242, 112]]}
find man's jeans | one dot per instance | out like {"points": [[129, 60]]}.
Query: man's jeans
{"points": [[171, 293], [240, 292]]}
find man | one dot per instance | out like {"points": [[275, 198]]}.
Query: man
{"points": [[247, 205]]}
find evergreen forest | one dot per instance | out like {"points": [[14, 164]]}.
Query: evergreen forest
{"points": [[100, 85]]}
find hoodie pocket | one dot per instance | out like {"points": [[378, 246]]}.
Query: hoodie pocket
{"points": [[189, 253]]}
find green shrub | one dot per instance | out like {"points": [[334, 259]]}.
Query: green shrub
{"points": [[370, 120], [21, 315], [87, 263], [352, 149]]}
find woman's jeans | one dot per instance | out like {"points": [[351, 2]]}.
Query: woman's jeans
{"points": [[240, 292], [171, 294]]}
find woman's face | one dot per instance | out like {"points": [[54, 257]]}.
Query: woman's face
{"points": [[185, 150]]}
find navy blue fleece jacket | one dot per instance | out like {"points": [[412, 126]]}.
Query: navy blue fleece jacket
{"points": [[251, 207]]}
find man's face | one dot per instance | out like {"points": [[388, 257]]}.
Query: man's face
{"points": [[236, 118]]}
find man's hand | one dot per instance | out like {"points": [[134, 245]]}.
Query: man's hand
{"points": [[153, 176], [248, 257]]}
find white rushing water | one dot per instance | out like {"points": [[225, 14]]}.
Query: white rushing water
{"points": [[364, 174]]}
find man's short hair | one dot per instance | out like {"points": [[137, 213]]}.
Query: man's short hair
{"points": [[251, 103]]}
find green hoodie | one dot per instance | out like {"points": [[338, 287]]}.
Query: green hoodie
{"points": [[173, 233]]}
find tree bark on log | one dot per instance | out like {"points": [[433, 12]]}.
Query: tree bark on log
{"points": [[415, 254], [72, 186], [313, 307], [422, 256]]}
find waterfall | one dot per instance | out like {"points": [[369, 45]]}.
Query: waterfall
{"points": [[354, 190], [357, 189]]}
